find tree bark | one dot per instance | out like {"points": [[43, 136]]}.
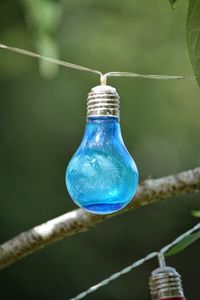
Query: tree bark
{"points": [[79, 220]]}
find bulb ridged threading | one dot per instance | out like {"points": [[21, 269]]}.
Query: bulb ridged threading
{"points": [[165, 282], [103, 100]]}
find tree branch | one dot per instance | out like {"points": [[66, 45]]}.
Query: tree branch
{"points": [[76, 221]]}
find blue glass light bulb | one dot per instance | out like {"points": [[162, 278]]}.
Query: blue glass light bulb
{"points": [[102, 176]]}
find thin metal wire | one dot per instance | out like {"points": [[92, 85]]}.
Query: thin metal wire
{"points": [[136, 75], [114, 276], [136, 264], [161, 260], [103, 77], [50, 60], [180, 238]]}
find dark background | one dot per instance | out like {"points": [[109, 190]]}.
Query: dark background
{"points": [[42, 119]]}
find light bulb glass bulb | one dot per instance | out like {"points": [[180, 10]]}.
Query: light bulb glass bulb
{"points": [[102, 176]]}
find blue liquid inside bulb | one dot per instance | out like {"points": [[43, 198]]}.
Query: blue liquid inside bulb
{"points": [[102, 176]]}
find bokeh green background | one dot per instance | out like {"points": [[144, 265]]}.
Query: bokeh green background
{"points": [[42, 123]]}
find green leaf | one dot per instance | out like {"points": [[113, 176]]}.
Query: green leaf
{"points": [[196, 213], [193, 36], [183, 244], [172, 2]]}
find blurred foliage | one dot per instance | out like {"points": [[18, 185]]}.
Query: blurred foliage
{"points": [[183, 244], [196, 213], [42, 123], [172, 2], [193, 35], [42, 19]]}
